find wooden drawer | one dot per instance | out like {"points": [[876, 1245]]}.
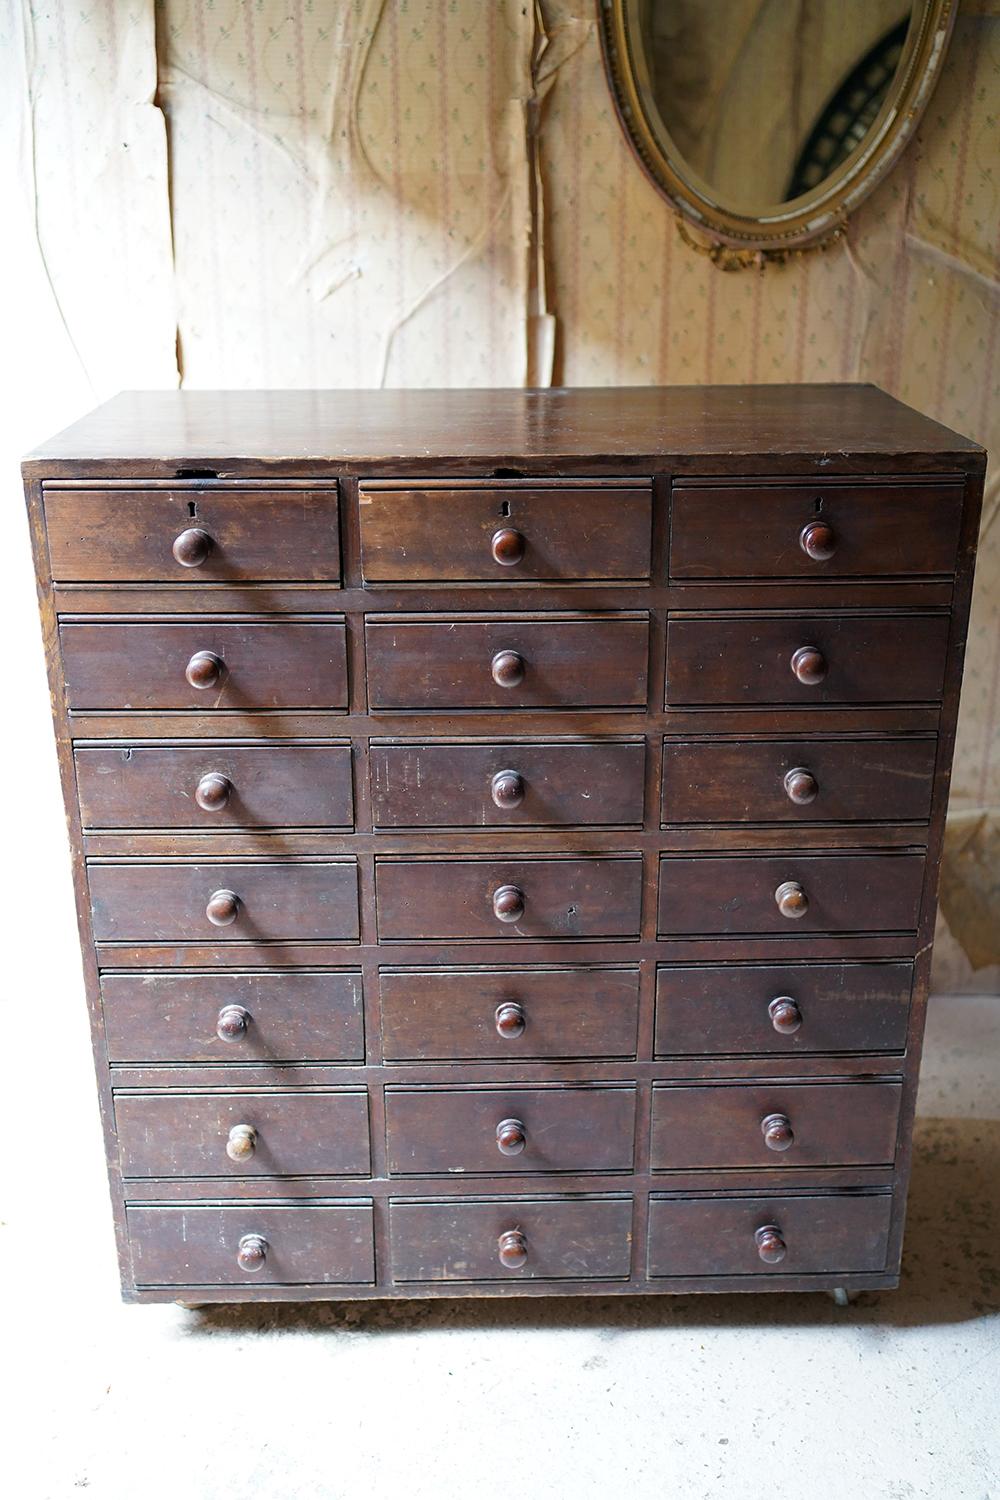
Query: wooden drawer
{"points": [[214, 784], [509, 1014], [739, 896], [233, 1018], [820, 530], [510, 1239], [746, 659], [168, 903], [779, 1008], [504, 533], [232, 536], [723, 1125], [831, 1232], [559, 1128], [798, 781], [308, 1132], [199, 1244], [542, 898], [507, 661], [143, 664], [513, 784]]}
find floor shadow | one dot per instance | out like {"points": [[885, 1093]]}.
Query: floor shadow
{"points": [[951, 1273]]}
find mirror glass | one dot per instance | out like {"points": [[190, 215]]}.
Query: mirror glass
{"points": [[758, 102]]}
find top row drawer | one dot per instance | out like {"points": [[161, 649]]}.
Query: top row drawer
{"points": [[504, 532]]}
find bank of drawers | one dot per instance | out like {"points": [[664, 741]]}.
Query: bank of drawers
{"points": [[557, 1016]]}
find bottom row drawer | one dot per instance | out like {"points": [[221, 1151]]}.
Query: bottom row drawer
{"points": [[583, 1238]]}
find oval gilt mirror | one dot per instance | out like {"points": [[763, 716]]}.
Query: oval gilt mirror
{"points": [[765, 122]]}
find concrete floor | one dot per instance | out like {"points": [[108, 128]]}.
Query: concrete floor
{"points": [[707, 1398]]}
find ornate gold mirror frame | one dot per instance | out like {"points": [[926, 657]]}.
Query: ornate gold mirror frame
{"points": [[733, 239]]}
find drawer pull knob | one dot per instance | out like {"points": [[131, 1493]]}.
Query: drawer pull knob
{"points": [[770, 1246], [252, 1252], [809, 665], [508, 903], [511, 1139], [801, 786], [204, 669], [232, 1023], [791, 900], [513, 1249], [242, 1143], [510, 1020], [818, 540], [507, 668], [786, 1018], [192, 547], [777, 1132], [213, 791], [507, 546], [223, 908], [507, 789]]}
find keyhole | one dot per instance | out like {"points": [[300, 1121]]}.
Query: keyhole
{"points": [[505, 507], [818, 503], [192, 508]]}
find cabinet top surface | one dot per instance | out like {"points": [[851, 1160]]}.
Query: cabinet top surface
{"points": [[828, 423]]}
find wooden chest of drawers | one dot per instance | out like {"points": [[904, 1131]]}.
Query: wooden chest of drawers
{"points": [[506, 828]]}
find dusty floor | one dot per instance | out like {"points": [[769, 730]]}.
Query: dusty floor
{"points": [[896, 1397]]}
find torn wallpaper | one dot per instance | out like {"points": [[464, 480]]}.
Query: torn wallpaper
{"points": [[437, 192]]}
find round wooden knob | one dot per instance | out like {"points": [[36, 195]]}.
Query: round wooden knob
{"points": [[508, 903], [507, 546], [511, 1139], [801, 786], [242, 1143], [192, 547], [770, 1246], [791, 900], [777, 1132], [809, 665], [786, 1018], [252, 1252], [212, 792], [507, 668], [510, 1020], [204, 669], [513, 1249], [223, 908], [507, 789], [232, 1023], [818, 540]]}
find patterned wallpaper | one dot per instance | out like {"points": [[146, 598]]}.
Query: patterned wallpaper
{"points": [[436, 192]]}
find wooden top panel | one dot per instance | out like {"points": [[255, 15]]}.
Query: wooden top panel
{"points": [[814, 428]]}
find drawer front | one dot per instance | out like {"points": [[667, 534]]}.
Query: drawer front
{"points": [[504, 534], [244, 1134], [508, 1014], [510, 1239], [798, 781], [835, 1232], [508, 898], [515, 784], [107, 536], [199, 1244], [507, 662], [141, 665], [821, 530], [500, 1130], [740, 896], [781, 1008], [215, 785], [224, 1018], [847, 659], [163, 903], [807, 1125]]}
